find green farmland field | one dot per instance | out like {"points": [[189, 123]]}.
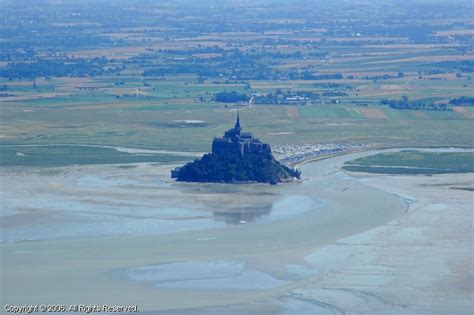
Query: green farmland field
{"points": [[74, 155], [414, 162]]}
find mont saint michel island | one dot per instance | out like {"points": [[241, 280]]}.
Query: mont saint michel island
{"points": [[236, 157]]}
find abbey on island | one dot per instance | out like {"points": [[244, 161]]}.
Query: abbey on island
{"points": [[236, 157], [236, 141]]}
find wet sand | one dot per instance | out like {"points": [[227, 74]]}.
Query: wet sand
{"points": [[334, 243]]}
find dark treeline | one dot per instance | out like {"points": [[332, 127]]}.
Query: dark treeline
{"points": [[331, 85], [231, 97], [383, 76], [328, 76], [463, 100], [461, 66], [71, 67], [334, 93], [405, 103]]}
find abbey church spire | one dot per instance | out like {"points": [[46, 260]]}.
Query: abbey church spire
{"points": [[237, 123]]}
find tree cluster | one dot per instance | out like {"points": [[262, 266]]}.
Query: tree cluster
{"points": [[405, 103], [463, 100], [70, 67], [231, 167], [231, 97]]}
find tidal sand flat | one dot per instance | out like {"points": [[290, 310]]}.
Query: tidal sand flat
{"points": [[205, 275], [418, 263], [80, 202], [271, 249]]}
